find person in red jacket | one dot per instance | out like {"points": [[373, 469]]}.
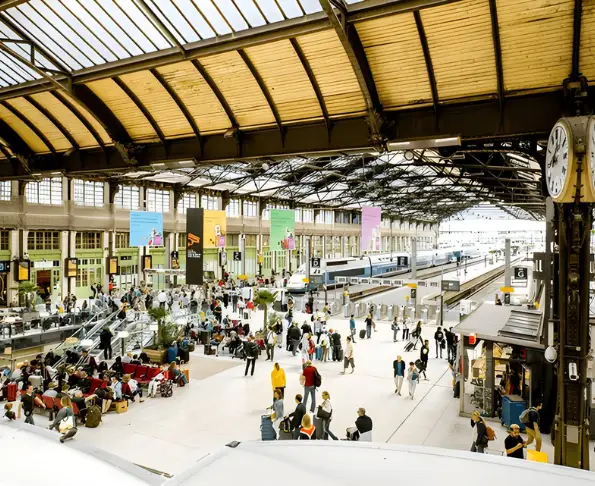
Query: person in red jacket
{"points": [[311, 348], [309, 381]]}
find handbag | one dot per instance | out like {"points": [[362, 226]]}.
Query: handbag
{"points": [[442, 344], [323, 414], [302, 380], [66, 424]]}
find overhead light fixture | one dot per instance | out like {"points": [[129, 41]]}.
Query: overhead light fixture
{"points": [[69, 152], [123, 334], [266, 166], [409, 155], [518, 157], [186, 163], [159, 165], [425, 143], [57, 173], [86, 343]]}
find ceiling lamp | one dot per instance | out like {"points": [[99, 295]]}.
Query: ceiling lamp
{"points": [[425, 143]]}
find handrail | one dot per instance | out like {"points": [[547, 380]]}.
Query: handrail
{"points": [[83, 325]]}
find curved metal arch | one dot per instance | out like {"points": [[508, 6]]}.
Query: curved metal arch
{"points": [[263, 88], [30, 125], [178, 101], [146, 113], [427, 57], [54, 121], [83, 119], [217, 92], [313, 81], [497, 49]]}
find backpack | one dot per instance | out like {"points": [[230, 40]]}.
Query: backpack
{"points": [[524, 417], [490, 434], [93, 416], [317, 379]]}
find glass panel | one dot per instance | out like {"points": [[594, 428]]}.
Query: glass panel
{"points": [[127, 197]]}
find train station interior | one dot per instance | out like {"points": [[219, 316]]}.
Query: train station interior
{"points": [[201, 200]]}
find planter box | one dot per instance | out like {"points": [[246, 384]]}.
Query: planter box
{"points": [[156, 356]]}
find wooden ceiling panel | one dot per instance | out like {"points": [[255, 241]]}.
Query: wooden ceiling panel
{"points": [[159, 104], [198, 97], [68, 119], [396, 58], [23, 131], [461, 48], [239, 88], [333, 71], [587, 57], [287, 81], [536, 39], [124, 109], [51, 131]]}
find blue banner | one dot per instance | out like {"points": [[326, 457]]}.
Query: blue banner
{"points": [[146, 229]]}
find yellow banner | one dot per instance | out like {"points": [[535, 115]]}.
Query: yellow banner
{"points": [[215, 228], [507, 290]]}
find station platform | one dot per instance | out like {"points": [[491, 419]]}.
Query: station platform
{"points": [[220, 405]]}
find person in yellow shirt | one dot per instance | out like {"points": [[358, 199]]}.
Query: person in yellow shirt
{"points": [[278, 379]]}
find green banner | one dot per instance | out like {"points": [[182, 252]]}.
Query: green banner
{"points": [[282, 229]]}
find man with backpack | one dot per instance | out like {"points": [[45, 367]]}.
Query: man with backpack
{"points": [[530, 419], [311, 380], [251, 349]]}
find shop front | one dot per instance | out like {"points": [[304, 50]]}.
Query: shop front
{"points": [[501, 362]]}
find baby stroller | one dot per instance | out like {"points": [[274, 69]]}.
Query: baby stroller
{"points": [[166, 388]]}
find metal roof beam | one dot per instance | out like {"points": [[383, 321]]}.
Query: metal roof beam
{"points": [[497, 50], [427, 58], [45, 112], [359, 63], [32, 126], [576, 39]]}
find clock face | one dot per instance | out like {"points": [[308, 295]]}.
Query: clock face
{"points": [[557, 160]]}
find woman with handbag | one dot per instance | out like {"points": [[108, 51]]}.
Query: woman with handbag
{"points": [[65, 420], [325, 413]]}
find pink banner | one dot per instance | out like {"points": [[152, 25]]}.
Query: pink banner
{"points": [[371, 239]]}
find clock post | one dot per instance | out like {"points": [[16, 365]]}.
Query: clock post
{"points": [[570, 184]]}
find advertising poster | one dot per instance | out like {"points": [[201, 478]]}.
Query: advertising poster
{"points": [[146, 229], [215, 227], [371, 239], [282, 229], [194, 246]]}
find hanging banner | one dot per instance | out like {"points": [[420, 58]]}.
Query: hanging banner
{"points": [[371, 237], [146, 229], [215, 227], [194, 246], [282, 229]]}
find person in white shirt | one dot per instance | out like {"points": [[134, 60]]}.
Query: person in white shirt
{"points": [[127, 358], [349, 358], [51, 391], [327, 410], [325, 345], [154, 384]]}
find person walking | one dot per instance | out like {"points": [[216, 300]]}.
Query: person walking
{"points": [[309, 379], [530, 419], [514, 443], [278, 379], [438, 339], [395, 327], [406, 324], [412, 378], [296, 416], [105, 342], [481, 439], [336, 342], [450, 343], [271, 342], [294, 335], [369, 323], [424, 354], [349, 358], [278, 409], [399, 373], [417, 334], [325, 414], [28, 400], [324, 345], [251, 355], [352, 329]]}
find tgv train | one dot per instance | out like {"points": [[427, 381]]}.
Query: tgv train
{"points": [[370, 266]]}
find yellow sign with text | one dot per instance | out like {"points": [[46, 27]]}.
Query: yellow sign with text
{"points": [[215, 228]]}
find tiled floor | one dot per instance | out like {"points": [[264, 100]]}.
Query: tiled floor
{"points": [[221, 405]]}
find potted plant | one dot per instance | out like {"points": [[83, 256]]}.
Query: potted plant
{"points": [[26, 290], [263, 299], [167, 332]]}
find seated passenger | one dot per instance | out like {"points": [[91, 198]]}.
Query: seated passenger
{"points": [[116, 387], [177, 375], [172, 352], [154, 384], [117, 366], [51, 391]]}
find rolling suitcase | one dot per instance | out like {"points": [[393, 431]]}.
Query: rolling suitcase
{"points": [[267, 432], [362, 334], [11, 392], [340, 354], [409, 347], [318, 428]]}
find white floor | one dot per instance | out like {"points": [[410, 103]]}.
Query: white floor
{"points": [[221, 405]]}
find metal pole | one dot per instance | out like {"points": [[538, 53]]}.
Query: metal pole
{"points": [[507, 276], [308, 259], [413, 258], [243, 253]]}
